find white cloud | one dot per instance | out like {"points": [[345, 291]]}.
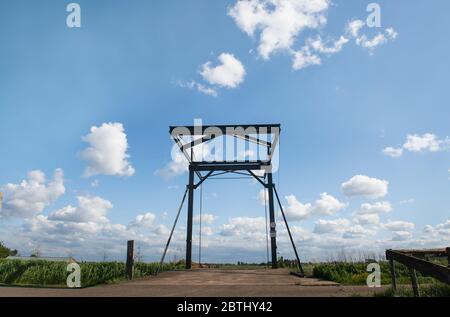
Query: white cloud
{"points": [[146, 220], [361, 185], [31, 196], [441, 231], [376, 208], [354, 26], [393, 152], [279, 22], [371, 44], [304, 58], [398, 226], [402, 236], [327, 205], [244, 226], [358, 232], [367, 219], [89, 209], [229, 73], [107, 151], [318, 45], [206, 218], [331, 226], [263, 197], [177, 166], [308, 54], [199, 87], [419, 143], [391, 33], [296, 211]]}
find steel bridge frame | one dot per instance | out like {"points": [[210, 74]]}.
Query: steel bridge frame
{"points": [[208, 170]]}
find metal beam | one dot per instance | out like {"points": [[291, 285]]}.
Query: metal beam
{"points": [[273, 231], [204, 178], [229, 167], [258, 178], [289, 232], [193, 130], [189, 220]]}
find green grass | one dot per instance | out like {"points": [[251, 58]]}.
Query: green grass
{"points": [[47, 273], [356, 274], [434, 289]]}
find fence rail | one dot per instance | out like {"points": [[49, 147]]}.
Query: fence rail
{"points": [[417, 260]]}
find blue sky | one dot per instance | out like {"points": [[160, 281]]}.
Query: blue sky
{"points": [[139, 64]]}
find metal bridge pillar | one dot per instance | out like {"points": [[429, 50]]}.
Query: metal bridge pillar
{"points": [[189, 219], [273, 231]]}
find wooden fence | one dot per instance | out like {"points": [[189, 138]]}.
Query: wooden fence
{"points": [[418, 260]]}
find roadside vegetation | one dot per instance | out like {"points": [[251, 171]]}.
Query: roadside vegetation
{"points": [[48, 273], [5, 252], [435, 289]]}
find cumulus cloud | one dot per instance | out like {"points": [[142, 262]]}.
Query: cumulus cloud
{"points": [[441, 230], [229, 73], [31, 196], [362, 185], [179, 164], [320, 46], [107, 151], [354, 27], [419, 143], [296, 210], [206, 218], [367, 219], [331, 226], [376, 208], [304, 58], [402, 236], [278, 23], [244, 227], [326, 205], [89, 209], [398, 226], [199, 87], [358, 232], [146, 220], [393, 152]]}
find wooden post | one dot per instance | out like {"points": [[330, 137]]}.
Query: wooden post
{"points": [[130, 259], [393, 276], [448, 257], [415, 284]]}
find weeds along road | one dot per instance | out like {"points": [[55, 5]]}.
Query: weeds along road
{"points": [[207, 283]]}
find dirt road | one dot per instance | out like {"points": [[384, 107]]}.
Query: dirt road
{"points": [[209, 283]]}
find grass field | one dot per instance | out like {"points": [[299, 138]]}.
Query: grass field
{"points": [[47, 273]]}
